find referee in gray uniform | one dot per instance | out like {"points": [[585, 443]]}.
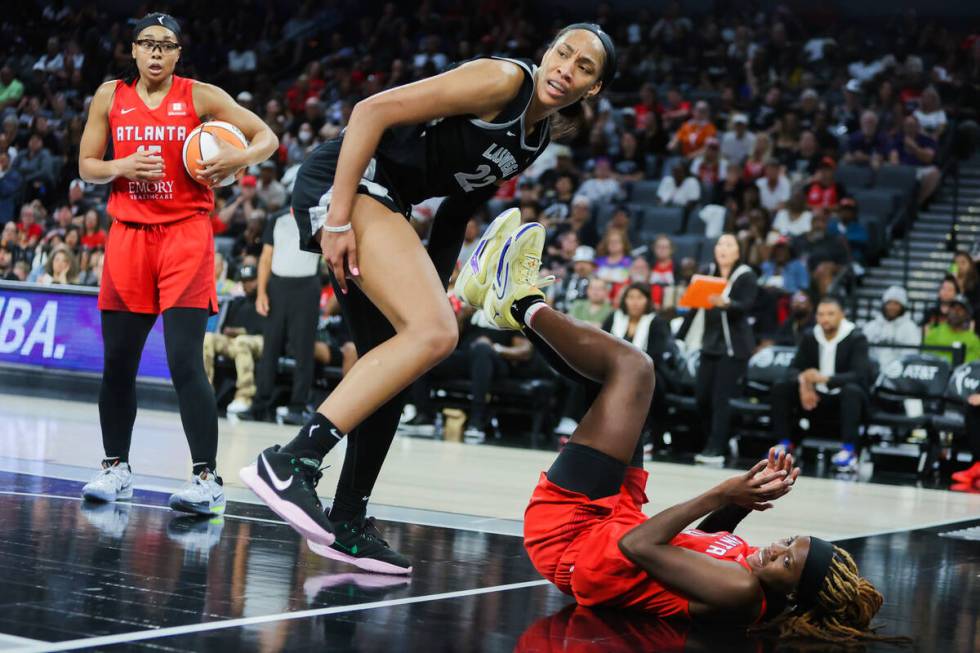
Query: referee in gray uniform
{"points": [[289, 294]]}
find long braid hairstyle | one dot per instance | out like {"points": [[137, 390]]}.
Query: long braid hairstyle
{"points": [[846, 603]]}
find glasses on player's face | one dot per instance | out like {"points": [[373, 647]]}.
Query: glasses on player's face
{"points": [[149, 45]]}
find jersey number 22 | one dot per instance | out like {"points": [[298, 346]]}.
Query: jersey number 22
{"points": [[470, 181]]}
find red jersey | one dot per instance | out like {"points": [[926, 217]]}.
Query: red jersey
{"points": [[574, 543], [133, 127]]}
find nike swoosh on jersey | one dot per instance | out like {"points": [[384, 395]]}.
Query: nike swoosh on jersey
{"points": [[125, 111], [336, 434], [279, 484]]}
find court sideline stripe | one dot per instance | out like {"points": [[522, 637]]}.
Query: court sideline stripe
{"points": [[18, 642], [433, 519], [40, 495], [173, 631]]}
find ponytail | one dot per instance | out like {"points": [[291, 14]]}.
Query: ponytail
{"points": [[569, 122]]}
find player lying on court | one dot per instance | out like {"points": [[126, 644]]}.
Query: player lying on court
{"points": [[584, 530]]}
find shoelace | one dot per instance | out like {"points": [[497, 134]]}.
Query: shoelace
{"points": [[527, 273], [311, 476], [370, 531], [113, 470]]}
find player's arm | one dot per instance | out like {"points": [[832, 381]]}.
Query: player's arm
{"points": [[264, 273], [699, 577], [477, 87], [92, 167], [211, 101]]}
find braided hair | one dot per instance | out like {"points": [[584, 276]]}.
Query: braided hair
{"points": [[845, 605]]}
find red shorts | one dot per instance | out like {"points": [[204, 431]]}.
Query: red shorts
{"points": [[150, 268], [574, 543]]}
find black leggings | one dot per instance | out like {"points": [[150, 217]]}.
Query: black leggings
{"points": [[368, 444], [123, 336], [719, 379]]}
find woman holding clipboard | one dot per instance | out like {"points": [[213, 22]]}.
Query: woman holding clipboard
{"points": [[721, 329]]}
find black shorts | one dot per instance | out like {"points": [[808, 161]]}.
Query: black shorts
{"points": [[314, 185]]}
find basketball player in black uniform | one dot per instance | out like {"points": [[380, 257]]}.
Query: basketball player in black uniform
{"points": [[458, 134]]}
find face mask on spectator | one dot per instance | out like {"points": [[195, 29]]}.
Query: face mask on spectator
{"points": [[305, 136]]}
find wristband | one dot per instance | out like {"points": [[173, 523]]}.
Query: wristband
{"points": [[337, 230]]}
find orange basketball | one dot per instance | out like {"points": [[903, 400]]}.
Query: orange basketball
{"points": [[202, 144]]}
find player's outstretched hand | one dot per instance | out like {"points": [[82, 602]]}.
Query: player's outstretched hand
{"points": [[781, 460], [756, 488]]}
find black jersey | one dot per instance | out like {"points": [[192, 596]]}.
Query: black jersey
{"points": [[460, 154]]}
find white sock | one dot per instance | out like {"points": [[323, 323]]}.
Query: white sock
{"points": [[531, 311]]}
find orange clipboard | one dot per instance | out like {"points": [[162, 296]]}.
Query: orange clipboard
{"points": [[702, 287]]}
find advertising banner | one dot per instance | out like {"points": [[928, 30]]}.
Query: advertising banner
{"points": [[59, 328]]}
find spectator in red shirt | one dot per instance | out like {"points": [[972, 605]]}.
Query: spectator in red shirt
{"points": [[824, 192], [709, 168], [675, 110], [93, 235], [30, 232], [298, 93], [315, 81], [662, 272], [648, 106]]}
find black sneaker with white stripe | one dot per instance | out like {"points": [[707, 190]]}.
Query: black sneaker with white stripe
{"points": [[287, 485]]}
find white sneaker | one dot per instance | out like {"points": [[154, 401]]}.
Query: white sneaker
{"points": [[239, 406], [474, 275], [203, 495], [566, 426], [709, 459], [474, 436], [516, 275], [114, 482]]}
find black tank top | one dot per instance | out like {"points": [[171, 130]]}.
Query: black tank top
{"points": [[461, 154]]}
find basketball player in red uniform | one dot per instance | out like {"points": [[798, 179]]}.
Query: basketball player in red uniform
{"points": [[584, 529], [160, 251]]}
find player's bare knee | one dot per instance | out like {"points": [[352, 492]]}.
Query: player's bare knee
{"points": [[437, 339], [638, 367]]}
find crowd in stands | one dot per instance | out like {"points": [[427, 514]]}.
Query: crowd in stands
{"points": [[741, 122]]}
